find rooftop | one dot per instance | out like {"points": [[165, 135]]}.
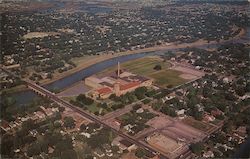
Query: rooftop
{"points": [[104, 90], [129, 85]]}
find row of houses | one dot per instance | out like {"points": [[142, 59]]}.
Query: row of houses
{"points": [[39, 115]]}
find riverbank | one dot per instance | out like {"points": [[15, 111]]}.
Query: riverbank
{"points": [[87, 61]]}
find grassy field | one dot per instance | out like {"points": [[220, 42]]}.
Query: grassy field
{"points": [[167, 78], [197, 124], [145, 67]]}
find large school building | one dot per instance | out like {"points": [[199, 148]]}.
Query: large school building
{"points": [[119, 82]]}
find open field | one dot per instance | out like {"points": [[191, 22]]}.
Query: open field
{"points": [[166, 78], [197, 124], [39, 35], [145, 67]]}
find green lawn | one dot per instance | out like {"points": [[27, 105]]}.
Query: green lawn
{"points": [[167, 77], [93, 108], [145, 66]]}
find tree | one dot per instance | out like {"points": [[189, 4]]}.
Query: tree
{"points": [[69, 122], [240, 91], [136, 107], [69, 154], [92, 126], [57, 124], [196, 114], [28, 125], [85, 100], [33, 149], [97, 140], [61, 109], [7, 145], [157, 67], [83, 127], [197, 148], [115, 148], [112, 96], [140, 153], [103, 105], [168, 111], [64, 144], [140, 92]]}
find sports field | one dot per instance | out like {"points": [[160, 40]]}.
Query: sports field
{"points": [[145, 67], [163, 143]]}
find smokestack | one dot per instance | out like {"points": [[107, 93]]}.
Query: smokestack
{"points": [[118, 69]]}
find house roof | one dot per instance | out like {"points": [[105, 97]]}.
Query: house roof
{"points": [[104, 90], [129, 85], [215, 112], [126, 143], [5, 124]]}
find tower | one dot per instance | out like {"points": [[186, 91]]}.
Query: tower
{"points": [[117, 88], [118, 69]]}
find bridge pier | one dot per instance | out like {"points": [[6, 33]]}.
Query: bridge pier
{"points": [[37, 92]]}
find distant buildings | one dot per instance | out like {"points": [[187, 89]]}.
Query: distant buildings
{"points": [[118, 83]]}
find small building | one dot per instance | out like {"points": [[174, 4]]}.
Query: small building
{"points": [[140, 110], [180, 112], [129, 128], [5, 125], [87, 135], [39, 115], [208, 118], [216, 112], [107, 148], [99, 153], [129, 146], [93, 82], [208, 154]]}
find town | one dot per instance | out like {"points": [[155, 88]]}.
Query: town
{"points": [[181, 101]]}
